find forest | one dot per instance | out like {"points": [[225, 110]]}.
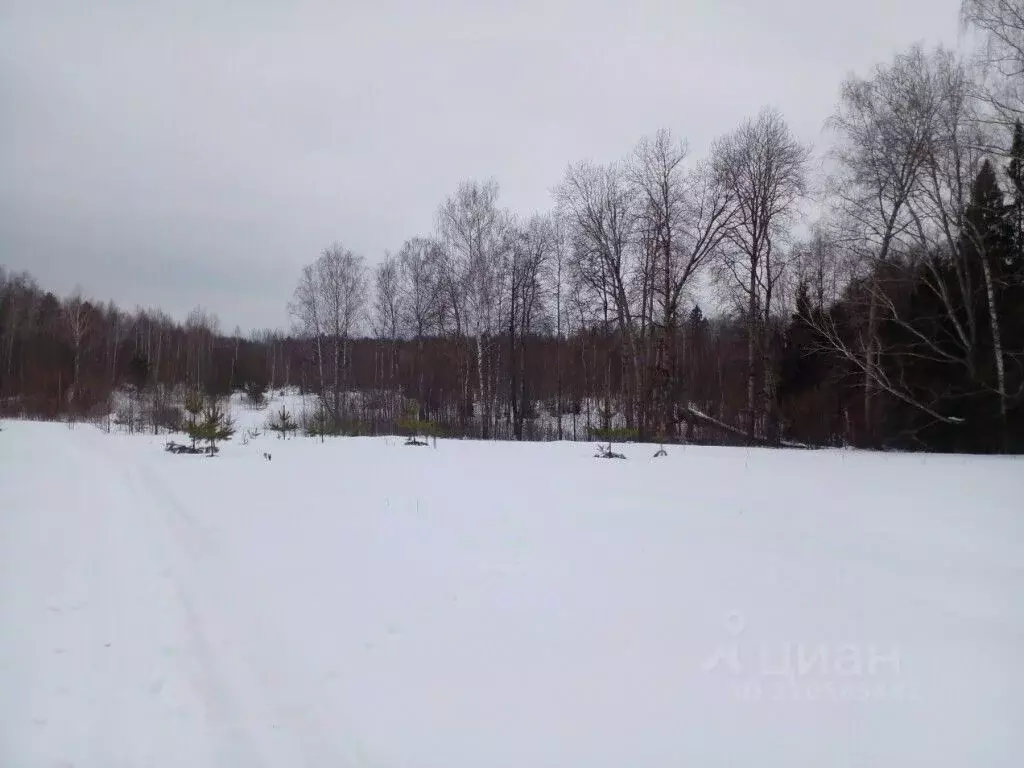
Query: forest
{"points": [[871, 295]]}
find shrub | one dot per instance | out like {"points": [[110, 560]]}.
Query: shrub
{"points": [[318, 424], [415, 427], [256, 393], [169, 417], [614, 434]]}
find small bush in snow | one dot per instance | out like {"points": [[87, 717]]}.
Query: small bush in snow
{"points": [[167, 416], [606, 452]]}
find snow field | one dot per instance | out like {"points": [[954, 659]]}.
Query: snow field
{"points": [[360, 602]]}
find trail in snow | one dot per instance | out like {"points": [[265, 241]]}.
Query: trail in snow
{"points": [[128, 651]]}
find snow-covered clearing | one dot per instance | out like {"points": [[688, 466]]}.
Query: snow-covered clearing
{"points": [[363, 603]]}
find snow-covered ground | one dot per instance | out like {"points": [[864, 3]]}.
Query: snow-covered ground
{"points": [[363, 603]]}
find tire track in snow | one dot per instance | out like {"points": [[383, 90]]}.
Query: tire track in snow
{"points": [[245, 673], [99, 696], [184, 543]]}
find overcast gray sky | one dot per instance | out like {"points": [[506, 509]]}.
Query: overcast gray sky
{"points": [[177, 154]]}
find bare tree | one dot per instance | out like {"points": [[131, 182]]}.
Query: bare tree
{"points": [[557, 277], [1001, 24], [476, 236], [202, 328], [765, 170], [307, 312], [686, 213], [387, 306], [19, 300], [598, 206], [529, 255], [930, 245], [419, 264], [328, 305], [77, 320], [885, 126], [118, 326], [819, 263], [387, 309], [940, 211], [420, 268]]}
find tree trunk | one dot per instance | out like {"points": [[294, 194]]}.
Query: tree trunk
{"points": [[484, 399], [512, 393], [870, 360], [997, 350], [751, 357], [337, 382]]}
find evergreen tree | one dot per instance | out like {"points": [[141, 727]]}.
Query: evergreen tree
{"points": [[992, 229], [138, 371], [973, 296], [255, 392], [802, 372], [137, 380], [216, 425], [193, 422], [283, 422], [997, 245], [697, 320]]}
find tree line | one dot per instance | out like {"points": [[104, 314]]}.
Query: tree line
{"points": [[880, 304]]}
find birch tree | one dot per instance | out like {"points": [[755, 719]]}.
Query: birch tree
{"points": [[765, 170], [420, 262], [328, 303], [688, 213], [598, 205], [1001, 54], [884, 125], [530, 253], [476, 236], [77, 320], [387, 309]]}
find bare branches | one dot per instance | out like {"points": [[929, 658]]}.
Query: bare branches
{"points": [[475, 234], [1001, 24], [885, 127], [420, 282], [598, 206], [684, 213], [77, 319], [764, 169], [387, 306], [833, 341], [327, 305]]}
